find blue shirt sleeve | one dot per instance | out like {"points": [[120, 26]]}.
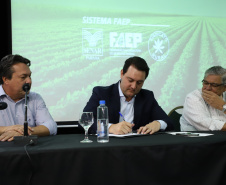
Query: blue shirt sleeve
{"points": [[42, 115]]}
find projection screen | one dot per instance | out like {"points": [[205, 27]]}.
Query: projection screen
{"points": [[76, 45]]}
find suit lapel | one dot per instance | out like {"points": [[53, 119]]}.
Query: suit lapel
{"points": [[115, 102], [137, 108]]}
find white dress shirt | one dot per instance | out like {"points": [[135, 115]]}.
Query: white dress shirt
{"points": [[198, 115]]}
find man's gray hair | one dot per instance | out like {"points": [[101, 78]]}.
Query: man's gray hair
{"points": [[217, 70]]}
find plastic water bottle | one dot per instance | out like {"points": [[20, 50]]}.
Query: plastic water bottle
{"points": [[102, 123]]}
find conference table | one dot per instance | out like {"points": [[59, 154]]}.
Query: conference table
{"points": [[157, 159]]}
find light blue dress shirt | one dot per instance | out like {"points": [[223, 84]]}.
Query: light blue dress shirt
{"points": [[126, 107], [37, 112]]}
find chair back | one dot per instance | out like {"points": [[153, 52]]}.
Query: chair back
{"points": [[175, 117]]}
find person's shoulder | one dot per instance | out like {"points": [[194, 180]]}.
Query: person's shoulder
{"points": [[146, 92], [195, 95], [34, 96], [104, 88]]}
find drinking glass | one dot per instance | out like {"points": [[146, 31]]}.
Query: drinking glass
{"points": [[86, 120]]}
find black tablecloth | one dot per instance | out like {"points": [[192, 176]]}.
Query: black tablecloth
{"points": [[154, 159]]}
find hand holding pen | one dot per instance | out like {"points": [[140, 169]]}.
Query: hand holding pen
{"points": [[121, 128], [125, 121]]}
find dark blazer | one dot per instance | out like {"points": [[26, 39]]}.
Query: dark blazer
{"points": [[146, 108]]}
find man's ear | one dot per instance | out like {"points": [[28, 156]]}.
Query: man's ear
{"points": [[121, 74], [5, 80]]}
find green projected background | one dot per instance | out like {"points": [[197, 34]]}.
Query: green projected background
{"points": [[76, 45]]}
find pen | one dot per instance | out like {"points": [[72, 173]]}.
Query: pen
{"points": [[188, 134], [121, 116]]}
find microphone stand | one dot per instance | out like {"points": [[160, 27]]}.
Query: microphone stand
{"points": [[25, 117], [26, 139]]}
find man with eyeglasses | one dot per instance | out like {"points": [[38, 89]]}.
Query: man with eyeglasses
{"points": [[205, 109]]}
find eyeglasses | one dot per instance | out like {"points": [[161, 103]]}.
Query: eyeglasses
{"points": [[204, 82]]}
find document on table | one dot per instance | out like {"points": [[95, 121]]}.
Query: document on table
{"points": [[126, 135], [190, 134]]}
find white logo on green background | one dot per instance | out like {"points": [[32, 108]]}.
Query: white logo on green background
{"points": [[92, 42], [158, 46]]}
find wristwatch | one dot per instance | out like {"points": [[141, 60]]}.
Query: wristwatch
{"points": [[224, 108]]}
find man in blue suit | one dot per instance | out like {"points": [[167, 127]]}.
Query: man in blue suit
{"points": [[138, 106]]}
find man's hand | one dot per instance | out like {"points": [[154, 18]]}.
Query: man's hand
{"points": [[17, 128], [149, 128], [121, 128], [213, 99], [8, 136], [9, 132]]}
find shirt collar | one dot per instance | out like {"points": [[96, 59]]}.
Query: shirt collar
{"points": [[2, 92], [122, 95], [120, 90]]}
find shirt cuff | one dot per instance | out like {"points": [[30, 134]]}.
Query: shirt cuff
{"points": [[163, 124], [217, 125], [109, 124]]}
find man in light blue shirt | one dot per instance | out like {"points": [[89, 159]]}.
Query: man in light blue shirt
{"points": [[14, 73]]}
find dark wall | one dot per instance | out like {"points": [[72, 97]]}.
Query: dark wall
{"points": [[6, 48], [5, 34]]}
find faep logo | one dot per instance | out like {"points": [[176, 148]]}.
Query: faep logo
{"points": [[92, 42], [125, 40], [158, 46]]}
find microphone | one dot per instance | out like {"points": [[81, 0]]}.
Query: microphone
{"points": [[24, 140], [26, 87], [3, 105]]}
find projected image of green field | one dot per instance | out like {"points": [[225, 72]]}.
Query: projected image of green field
{"points": [[66, 64]]}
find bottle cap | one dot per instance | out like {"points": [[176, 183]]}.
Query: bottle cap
{"points": [[102, 102]]}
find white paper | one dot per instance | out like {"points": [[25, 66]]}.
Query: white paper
{"points": [[125, 135]]}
